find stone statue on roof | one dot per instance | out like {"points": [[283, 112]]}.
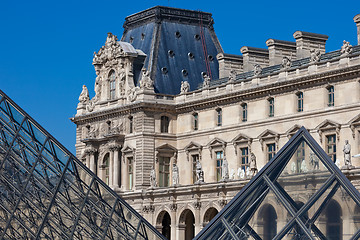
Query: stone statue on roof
{"points": [[206, 83], [146, 82], [257, 70], [84, 95], [314, 55], [346, 48], [185, 87], [285, 63]]}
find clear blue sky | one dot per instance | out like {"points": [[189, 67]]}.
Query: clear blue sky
{"points": [[47, 46]]}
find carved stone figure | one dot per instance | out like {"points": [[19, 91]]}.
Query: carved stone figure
{"points": [[293, 167], [206, 83], [314, 161], [146, 82], [347, 153], [346, 48], [185, 87], [122, 78], [253, 167], [93, 131], [232, 174], [257, 70], [153, 182], [175, 175], [199, 172], [84, 95], [285, 63], [303, 168], [242, 173], [132, 94], [232, 76], [314, 55], [225, 169]]}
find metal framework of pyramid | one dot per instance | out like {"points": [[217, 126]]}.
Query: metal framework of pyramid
{"points": [[297, 195], [46, 193]]}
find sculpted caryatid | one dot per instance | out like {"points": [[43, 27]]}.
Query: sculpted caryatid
{"points": [[153, 182], [347, 155], [84, 95], [175, 175], [185, 87], [199, 172], [225, 169]]}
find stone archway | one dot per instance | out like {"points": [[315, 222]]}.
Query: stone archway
{"points": [[187, 225], [268, 222], [163, 224], [209, 215]]}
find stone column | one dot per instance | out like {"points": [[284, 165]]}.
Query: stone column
{"points": [[116, 170], [111, 166], [357, 21], [173, 208], [124, 177], [92, 162], [197, 221]]}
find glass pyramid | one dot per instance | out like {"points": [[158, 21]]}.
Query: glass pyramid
{"points": [[46, 193], [299, 194]]}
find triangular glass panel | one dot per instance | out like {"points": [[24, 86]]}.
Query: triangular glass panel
{"points": [[47, 193], [294, 196]]}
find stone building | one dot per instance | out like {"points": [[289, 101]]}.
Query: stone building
{"points": [[175, 121]]}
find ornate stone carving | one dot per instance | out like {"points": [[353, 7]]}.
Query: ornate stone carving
{"points": [[97, 88], [173, 207], [206, 83], [132, 94], [314, 55], [346, 48], [148, 209], [146, 82], [84, 95], [114, 147], [90, 150], [232, 76], [225, 169], [257, 70], [285, 63], [93, 131], [197, 205], [122, 78], [199, 172], [153, 182], [314, 161], [109, 52], [185, 87], [253, 167], [222, 202], [175, 175], [347, 153]]}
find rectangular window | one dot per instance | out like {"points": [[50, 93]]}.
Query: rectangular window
{"points": [[131, 124], [271, 107], [196, 121], [270, 151], [194, 159], [219, 116], [244, 112], [219, 162], [165, 124], [331, 99], [164, 171], [244, 158], [130, 172], [300, 101], [331, 147]]}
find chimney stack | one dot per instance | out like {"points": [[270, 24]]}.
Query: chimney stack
{"points": [[279, 49], [306, 41], [357, 21], [253, 56]]}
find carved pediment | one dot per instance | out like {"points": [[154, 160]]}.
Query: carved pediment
{"points": [[166, 147], [216, 142], [268, 135], [354, 123], [292, 130], [192, 146], [328, 125], [241, 139], [127, 149]]}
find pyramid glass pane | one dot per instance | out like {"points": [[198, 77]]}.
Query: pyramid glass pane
{"points": [[299, 194], [46, 193]]}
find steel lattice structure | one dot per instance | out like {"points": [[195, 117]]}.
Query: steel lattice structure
{"points": [[47, 193], [317, 185]]}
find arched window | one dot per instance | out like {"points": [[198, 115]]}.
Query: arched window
{"points": [[333, 221], [271, 107], [195, 121], [106, 169], [112, 84], [219, 116], [244, 112], [300, 101], [331, 98], [269, 221], [165, 121], [166, 228]]}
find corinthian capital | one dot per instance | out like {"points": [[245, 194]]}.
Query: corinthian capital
{"points": [[90, 151]]}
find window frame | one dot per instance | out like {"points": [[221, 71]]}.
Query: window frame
{"points": [[164, 124], [331, 96], [270, 154], [112, 84], [218, 166], [164, 173], [130, 172], [219, 117], [195, 117], [300, 101], [244, 112], [271, 105], [328, 145]]}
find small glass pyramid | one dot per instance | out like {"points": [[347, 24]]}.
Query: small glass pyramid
{"points": [[299, 194], [46, 193]]}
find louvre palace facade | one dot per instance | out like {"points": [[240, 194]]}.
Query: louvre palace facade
{"points": [[177, 127]]}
